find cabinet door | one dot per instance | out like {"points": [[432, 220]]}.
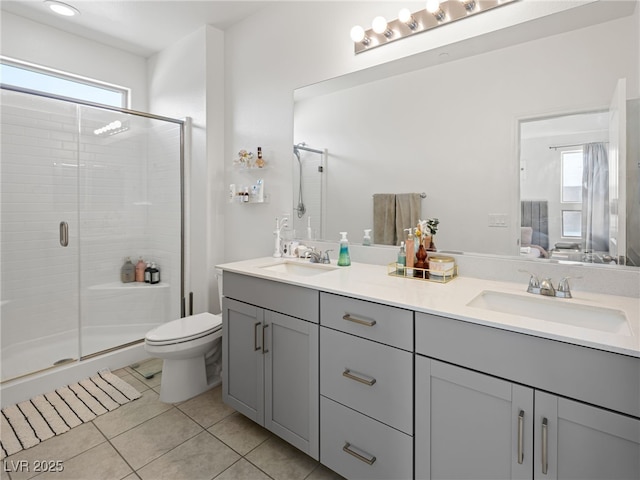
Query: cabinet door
{"points": [[291, 381], [471, 426], [243, 359], [579, 441]]}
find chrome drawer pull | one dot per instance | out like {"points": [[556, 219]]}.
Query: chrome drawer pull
{"points": [[367, 381], [521, 437], [359, 454], [367, 323], [545, 446]]}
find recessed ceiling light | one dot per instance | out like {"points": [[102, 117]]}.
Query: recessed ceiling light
{"points": [[62, 8]]}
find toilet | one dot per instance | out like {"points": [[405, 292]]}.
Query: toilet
{"points": [[191, 350]]}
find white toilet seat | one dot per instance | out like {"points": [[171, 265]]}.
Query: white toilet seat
{"points": [[184, 329]]}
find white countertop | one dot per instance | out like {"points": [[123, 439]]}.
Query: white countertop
{"points": [[371, 282]]}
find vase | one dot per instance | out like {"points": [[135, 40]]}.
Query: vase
{"points": [[421, 263], [429, 245]]}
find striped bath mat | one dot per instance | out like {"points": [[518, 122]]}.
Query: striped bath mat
{"points": [[28, 423]]}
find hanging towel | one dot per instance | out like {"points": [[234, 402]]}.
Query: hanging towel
{"points": [[384, 218], [408, 212]]}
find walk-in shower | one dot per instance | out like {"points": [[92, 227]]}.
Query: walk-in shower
{"points": [[309, 182], [83, 187]]}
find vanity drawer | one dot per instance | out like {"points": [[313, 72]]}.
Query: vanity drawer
{"points": [[385, 452], [280, 297], [381, 323], [371, 378]]}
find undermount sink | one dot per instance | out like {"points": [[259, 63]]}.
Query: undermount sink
{"points": [[300, 269], [556, 310]]}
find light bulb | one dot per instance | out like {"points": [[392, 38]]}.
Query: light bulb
{"points": [[404, 15], [433, 6], [357, 34], [379, 24]]}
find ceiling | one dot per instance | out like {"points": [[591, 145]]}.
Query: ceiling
{"points": [[142, 27]]}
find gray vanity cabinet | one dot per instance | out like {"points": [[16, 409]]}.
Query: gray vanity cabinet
{"points": [[579, 441], [470, 425], [366, 388], [482, 409], [270, 359]]}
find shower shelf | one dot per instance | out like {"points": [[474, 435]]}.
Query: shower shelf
{"points": [[127, 286], [251, 201]]}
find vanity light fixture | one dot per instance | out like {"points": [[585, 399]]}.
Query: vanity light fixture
{"points": [[433, 7], [469, 5], [358, 36], [409, 20], [435, 14], [380, 26], [61, 8]]}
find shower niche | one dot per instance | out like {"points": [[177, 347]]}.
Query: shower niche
{"points": [[77, 199]]}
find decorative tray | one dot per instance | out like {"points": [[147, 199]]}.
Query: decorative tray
{"points": [[438, 276]]}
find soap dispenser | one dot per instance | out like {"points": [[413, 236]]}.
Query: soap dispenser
{"points": [[343, 259], [410, 247], [366, 240], [402, 260]]}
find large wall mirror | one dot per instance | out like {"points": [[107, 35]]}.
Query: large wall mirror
{"points": [[473, 132]]}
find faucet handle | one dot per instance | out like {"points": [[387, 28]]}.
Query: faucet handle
{"points": [[325, 257], [534, 283], [563, 290]]}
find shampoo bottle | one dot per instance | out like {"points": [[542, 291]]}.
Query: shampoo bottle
{"points": [[343, 259], [140, 267], [128, 271], [366, 240]]}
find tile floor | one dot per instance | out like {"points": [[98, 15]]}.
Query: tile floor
{"points": [[146, 439]]}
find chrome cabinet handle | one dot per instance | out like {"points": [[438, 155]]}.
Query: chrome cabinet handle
{"points": [[359, 454], [545, 446], [367, 323], [264, 348], [64, 234], [256, 347], [521, 437], [367, 381]]}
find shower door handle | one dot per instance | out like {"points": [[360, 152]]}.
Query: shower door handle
{"points": [[64, 234]]}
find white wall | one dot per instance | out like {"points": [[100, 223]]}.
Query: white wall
{"points": [[291, 45], [29, 41], [186, 80]]}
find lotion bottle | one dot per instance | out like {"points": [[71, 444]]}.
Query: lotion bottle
{"points": [[140, 267], [366, 240], [344, 260]]}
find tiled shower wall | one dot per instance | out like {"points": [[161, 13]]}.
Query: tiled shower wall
{"points": [[120, 196]]}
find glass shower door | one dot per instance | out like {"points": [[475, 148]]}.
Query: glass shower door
{"points": [[129, 197], [39, 300]]}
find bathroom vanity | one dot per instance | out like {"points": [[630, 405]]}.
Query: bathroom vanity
{"points": [[385, 377]]}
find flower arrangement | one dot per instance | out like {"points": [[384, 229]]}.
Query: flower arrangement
{"points": [[426, 230], [245, 159]]}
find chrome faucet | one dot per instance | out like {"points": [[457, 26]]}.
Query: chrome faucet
{"points": [[315, 256], [545, 287]]}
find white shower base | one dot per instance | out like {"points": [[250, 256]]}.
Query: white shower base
{"points": [[24, 388]]}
